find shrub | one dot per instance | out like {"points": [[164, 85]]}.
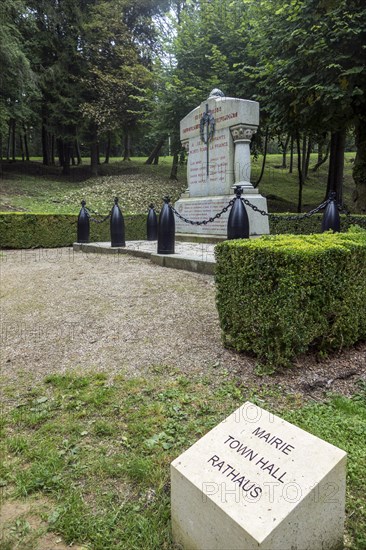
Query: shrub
{"points": [[24, 230], [279, 224], [279, 295]]}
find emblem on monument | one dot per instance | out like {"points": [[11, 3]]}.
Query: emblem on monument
{"points": [[207, 123], [207, 130]]}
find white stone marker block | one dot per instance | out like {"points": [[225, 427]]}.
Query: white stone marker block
{"points": [[258, 482]]}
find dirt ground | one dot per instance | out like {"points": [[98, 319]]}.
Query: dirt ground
{"points": [[23, 521], [68, 311]]}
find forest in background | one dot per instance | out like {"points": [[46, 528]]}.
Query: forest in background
{"points": [[84, 77]]}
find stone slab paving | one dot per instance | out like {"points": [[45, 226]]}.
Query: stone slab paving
{"points": [[197, 257]]}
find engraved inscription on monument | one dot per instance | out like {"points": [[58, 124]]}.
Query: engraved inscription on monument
{"points": [[256, 481], [215, 176]]}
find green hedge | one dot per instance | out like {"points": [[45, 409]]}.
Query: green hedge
{"points": [[278, 296], [23, 230], [306, 226]]}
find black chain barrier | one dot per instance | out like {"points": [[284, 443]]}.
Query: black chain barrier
{"points": [[351, 219], [95, 220], [204, 222], [321, 206], [293, 217], [274, 217]]}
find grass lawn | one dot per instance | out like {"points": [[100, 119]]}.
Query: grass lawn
{"points": [[97, 452], [282, 188], [32, 187]]}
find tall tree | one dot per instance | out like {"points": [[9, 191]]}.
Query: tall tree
{"points": [[18, 86], [55, 52], [311, 73], [117, 41]]}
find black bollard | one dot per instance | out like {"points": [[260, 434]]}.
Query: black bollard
{"points": [[83, 224], [166, 229], [117, 225], [238, 222], [152, 224], [331, 217]]}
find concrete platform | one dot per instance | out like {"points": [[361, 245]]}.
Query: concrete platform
{"points": [[196, 257]]}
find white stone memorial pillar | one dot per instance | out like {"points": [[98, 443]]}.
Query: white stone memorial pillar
{"points": [[242, 135]]}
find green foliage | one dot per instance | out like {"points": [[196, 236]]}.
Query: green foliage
{"points": [[23, 230], [278, 296], [17, 78], [302, 73], [279, 224], [116, 76]]}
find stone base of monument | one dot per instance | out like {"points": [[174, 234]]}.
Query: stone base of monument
{"points": [[257, 482], [203, 208]]}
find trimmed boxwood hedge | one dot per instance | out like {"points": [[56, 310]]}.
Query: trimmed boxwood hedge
{"points": [[278, 296], [306, 226], [24, 230]]}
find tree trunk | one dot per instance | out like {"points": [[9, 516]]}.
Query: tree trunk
{"points": [[52, 150], [174, 170], [303, 166], [323, 160], [291, 155], [126, 146], [94, 158], [155, 152], [13, 139], [307, 160], [9, 141], [67, 158], [320, 152], [72, 153], [336, 165], [61, 152], [255, 185], [359, 168], [284, 147], [26, 144], [45, 146], [77, 151], [21, 146], [300, 172], [108, 150]]}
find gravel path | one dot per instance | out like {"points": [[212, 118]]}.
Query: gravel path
{"points": [[68, 311]]}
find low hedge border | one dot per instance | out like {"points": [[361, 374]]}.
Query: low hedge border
{"points": [[24, 230], [280, 295], [28, 230], [279, 225]]}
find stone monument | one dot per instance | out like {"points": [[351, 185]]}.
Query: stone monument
{"points": [[217, 137], [258, 482]]}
